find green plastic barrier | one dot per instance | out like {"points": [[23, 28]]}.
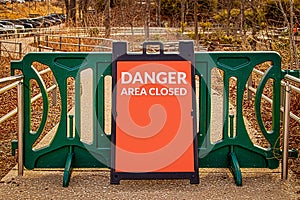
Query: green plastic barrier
{"points": [[70, 152], [239, 151]]}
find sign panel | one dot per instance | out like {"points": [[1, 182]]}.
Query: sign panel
{"points": [[154, 120]]}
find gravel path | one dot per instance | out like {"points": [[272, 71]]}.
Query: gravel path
{"points": [[88, 184]]}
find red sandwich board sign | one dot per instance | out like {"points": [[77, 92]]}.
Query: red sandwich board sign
{"points": [[154, 120]]}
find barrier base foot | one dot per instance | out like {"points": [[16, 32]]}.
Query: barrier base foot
{"points": [[114, 178], [194, 179], [68, 168], [235, 168]]}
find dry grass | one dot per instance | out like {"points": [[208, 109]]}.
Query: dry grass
{"points": [[16, 10]]}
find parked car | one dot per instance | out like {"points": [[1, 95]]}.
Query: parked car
{"points": [[50, 21], [18, 28], [59, 16], [34, 23], [19, 22], [54, 20], [62, 17], [17, 1], [2, 29], [4, 1], [9, 26], [6, 29], [44, 23]]}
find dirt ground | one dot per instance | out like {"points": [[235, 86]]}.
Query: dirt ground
{"points": [[88, 184]]}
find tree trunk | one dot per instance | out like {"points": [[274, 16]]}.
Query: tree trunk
{"points": [[67, 5], [80, 4], [84, 11], [292, 36], [106, 22], [196, 22], [158, 7], [254, 24], [243, 30], [72, 12], [182, 15], [229, 7], [147, 21], [293, 54]]}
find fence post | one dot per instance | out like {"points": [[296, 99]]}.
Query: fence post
{"points": [[38, 40], [20, 50], [20, 128], [60, 40], [282, 99], [284, 172], [79, 42], [47, 42]]}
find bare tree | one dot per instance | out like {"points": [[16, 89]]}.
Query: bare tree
{"points": [[106, 21], [229, 7], [290, 25], [72, 12], [147, 21], [67, 5], [242, 30], [157, 12], [83, 6], [292, 37], [196, 21], [254, 24], [182, 15]]}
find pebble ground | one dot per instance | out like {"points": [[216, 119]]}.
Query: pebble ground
{"points": [[94, 184]]}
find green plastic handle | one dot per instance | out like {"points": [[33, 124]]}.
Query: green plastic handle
{"points": [[268, 75]]}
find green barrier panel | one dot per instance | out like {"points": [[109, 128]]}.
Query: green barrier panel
{"points": [[239, 151], [68, 151]]}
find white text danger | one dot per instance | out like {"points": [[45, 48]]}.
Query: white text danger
{"points": [[153, 78]]}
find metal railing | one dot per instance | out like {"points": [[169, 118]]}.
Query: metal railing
{"points": [[55, 43], [286, 109], [251, 90], [16, 80], [19, 109], [287, 114], [102, 43], [5, 46]]}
